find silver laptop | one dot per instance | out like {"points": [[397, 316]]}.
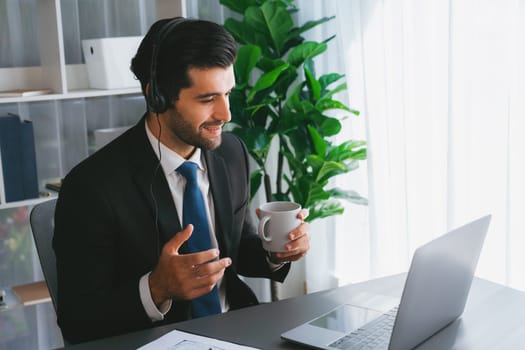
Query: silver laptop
{"points": [[435, 293]]}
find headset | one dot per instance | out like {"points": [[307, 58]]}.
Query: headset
{"points": [[157, 102]]}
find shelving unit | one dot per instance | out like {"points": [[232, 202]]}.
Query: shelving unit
{"points": [[64, 119], [62, 123]]}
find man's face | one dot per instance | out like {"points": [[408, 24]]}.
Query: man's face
{"points": [[201, 110]]}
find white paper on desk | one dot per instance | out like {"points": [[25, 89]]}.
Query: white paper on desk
{"points": [[177, 340]]}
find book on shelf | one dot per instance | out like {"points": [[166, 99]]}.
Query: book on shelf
{"points": [[18, 157], [28, 155], [32, 293], [2, 190], [24, 92]]}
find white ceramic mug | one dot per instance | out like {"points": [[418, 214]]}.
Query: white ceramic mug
{"points": [[277, 219]]}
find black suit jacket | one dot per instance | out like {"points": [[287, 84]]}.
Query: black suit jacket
{"points": [[113, 215]]}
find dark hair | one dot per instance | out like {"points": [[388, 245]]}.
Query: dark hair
{"points": [[181, 44]]}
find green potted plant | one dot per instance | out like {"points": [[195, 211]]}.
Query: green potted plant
{"points": [[278, 98]]}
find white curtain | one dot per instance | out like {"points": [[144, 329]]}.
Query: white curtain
{"points": [[439, 84]]}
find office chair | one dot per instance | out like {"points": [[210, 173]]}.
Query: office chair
{"points": [[42, 220]]}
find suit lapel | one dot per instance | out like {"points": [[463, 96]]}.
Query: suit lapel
{"points": [[220, 188], [151, 182]]}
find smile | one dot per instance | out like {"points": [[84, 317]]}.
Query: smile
{"points": [[213, 129]]}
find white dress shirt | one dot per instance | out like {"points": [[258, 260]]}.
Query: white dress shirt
{"points": [[170, 161]]}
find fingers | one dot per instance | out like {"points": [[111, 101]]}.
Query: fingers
{"points": [[204, 277], [211, 268], [299, 231], [303, 214], [185, 276], [200, 258], [297, 247], [173, 245], [288, 257], [181, 278]]}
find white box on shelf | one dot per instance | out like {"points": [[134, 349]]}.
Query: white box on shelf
{"points": [[108, 61]]}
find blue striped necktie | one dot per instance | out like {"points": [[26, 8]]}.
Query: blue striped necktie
{"points": [[194, 212]]}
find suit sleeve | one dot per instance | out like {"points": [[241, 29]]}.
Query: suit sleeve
{"points": [[93, 299]]}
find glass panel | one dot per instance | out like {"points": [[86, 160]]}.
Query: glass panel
{"points": [[210, 10], [71, 32], [97, 111], [44, 116], [100, 19], [73, 132], [19, 46], [111, 112], [129, 109], [16, 244]]}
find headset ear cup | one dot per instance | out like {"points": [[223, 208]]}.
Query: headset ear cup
{"points": [[156, 100]]}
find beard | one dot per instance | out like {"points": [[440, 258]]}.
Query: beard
{"points": [[185, 131]]}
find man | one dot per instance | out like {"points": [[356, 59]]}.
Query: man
{"points": [[123, 243]]}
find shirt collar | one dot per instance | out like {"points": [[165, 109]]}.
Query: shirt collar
{"points": [[170, 159]]}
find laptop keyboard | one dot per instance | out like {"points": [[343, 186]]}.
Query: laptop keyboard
{"points": [[373, 335]]}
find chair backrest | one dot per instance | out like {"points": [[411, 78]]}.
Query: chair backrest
{"points": [[42, 220]]}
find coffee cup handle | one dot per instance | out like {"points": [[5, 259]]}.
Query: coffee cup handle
{"points": [[262, 224]]}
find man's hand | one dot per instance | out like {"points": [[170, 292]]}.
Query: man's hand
{"points": [[185, 276], [299, 242]]}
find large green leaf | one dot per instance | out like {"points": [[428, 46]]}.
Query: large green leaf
{"points": [[293, 42], [247, 58], [314, 192], [319, 143], [324, 105], [284, 82], [238, 6], [328, 79], [304, 51], [238, 108], [315, 161], [309, 25], [267, 64], [313, 85], [330, 127], [257, 141], [348, 150], [359, 155], [266, 80], [345, 150], [238, 30], [255, 182], [351, 196], [325, 209], [300, 144], [330, 169], [273, 20], [306, 107], [329, 94]]}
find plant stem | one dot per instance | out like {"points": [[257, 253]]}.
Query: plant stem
{"points": [[280, 162], [280, 156], [274, 289], [267, 187]]}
